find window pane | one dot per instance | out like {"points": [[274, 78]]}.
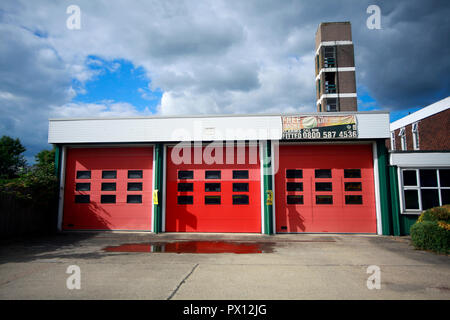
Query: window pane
{"points": [[411, 199], [83, 187], [108, 198], [185, 187], [111, 174], [212, 199], [212, 174], [352, 173], [428, 178], [134, 186], [106, 186], [324, 199], [240, 199], [353, 199], [294, 173], [353, 186], [323, 173], [240, 187], [444, 177], [212, 187], [294, 186], [134, 198], [84, 198], [323, 186], [409, 178], [185, 199], [83, 174], [294, 199], [134, 174], [182, 174], [430, 198], [240, 174], [445, 195]]}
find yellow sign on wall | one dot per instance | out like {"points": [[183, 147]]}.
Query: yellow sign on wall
{"points": [[155, 197], [269, 201]]}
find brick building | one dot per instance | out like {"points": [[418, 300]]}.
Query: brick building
{"points": [[420, 162], [426, 129], [335, 68]]}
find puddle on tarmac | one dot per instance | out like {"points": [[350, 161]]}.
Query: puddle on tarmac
{"points": [[194, 247]]}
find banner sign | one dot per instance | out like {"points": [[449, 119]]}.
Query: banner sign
{"points": [[320, 127]]}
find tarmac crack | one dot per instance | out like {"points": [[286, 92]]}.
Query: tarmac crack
{"points": [[182, 281]]}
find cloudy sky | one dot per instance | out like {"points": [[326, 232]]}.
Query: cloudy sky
{"points": [[143, 57]]}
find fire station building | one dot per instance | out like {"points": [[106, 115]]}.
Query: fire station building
{"points": [[291, 173]]}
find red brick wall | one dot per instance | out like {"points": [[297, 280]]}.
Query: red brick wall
{"points": [[434, 132]]}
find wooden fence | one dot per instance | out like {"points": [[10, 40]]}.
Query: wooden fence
{"points": [[21, 217]]}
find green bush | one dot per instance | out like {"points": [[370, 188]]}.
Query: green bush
{"points": [[432, 230], [436, 214]]}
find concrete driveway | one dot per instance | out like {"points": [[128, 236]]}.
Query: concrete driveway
{"points": [[300, 266]]}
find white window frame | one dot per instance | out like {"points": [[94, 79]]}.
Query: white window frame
{"points": [[393, 141], [402, 136], [418, 188], [415, 134]]}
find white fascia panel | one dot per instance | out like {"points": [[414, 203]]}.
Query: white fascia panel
{"points": [[164, 129], [374, 126], [420, 159]]}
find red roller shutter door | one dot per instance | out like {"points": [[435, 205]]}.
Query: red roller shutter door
{"points": [[325, 188], [213, 197], [108, 189]]}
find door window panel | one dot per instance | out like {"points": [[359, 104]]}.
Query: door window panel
{"points": [[109, 174], [134, 198], [324, 186], [324, 199], [134, 174], [84, 174], [294, 186], [240, 199], [83, 187], [107, 186], [212, 187], [183, 187], [294, 199], [185, 174], [212, 174], [108, 198], [322, 173], [134, 186], [185, 200], [240, 174], [294, 174], [352, 173], [353, 186], [212, 199], [82, 198], [240, 187], [353, 199]]}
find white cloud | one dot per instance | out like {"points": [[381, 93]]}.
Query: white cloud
{"points": [[219, 56], [88, 110]]}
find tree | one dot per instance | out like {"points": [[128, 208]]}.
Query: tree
{"points": [[11, 157], [45, 158]]}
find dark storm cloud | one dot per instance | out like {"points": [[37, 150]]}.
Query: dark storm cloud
{"points": [[213, 56]]}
